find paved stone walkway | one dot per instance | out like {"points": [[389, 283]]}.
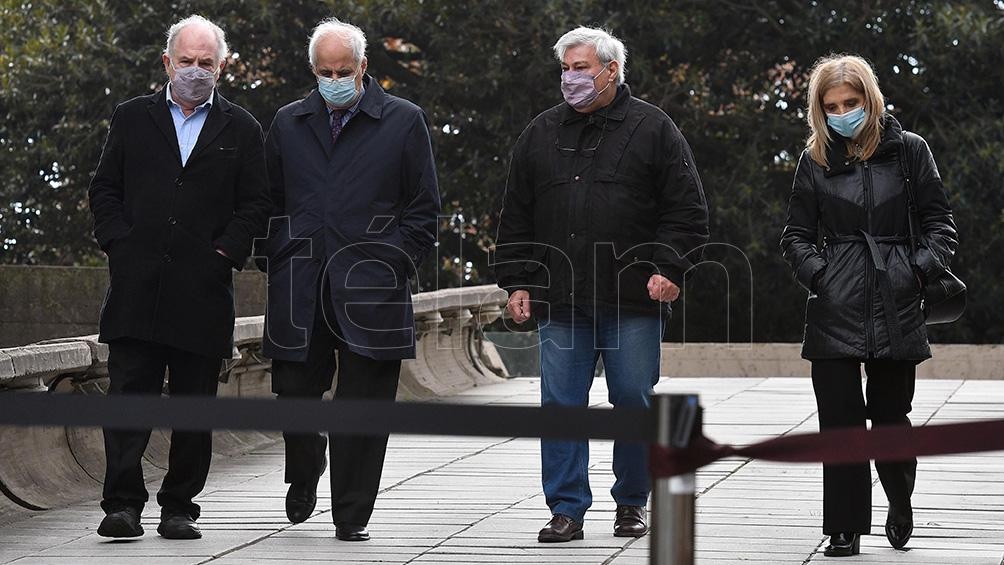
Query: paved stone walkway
{"points": [[478, 500]]}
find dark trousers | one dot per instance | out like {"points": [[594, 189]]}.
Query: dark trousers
{"points": [[356, 461], [847, 489], [137, 367]]}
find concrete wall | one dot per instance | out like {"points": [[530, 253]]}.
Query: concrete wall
{"points": [[38, 303], [760, 360], [949, 361]]}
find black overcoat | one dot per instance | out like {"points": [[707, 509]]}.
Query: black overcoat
{"points": [[847, 241], [364, 208], [160, 222]]}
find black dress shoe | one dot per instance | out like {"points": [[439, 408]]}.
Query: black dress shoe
{"points": [[351, 532], [899, 525], [630, 522], [178, 526], [121, 524], [843, 545], [301, 498], [561, 528]]}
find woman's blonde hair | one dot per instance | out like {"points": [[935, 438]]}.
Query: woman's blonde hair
{"points": [[832, 71]]}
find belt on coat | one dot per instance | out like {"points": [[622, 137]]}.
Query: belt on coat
{"points": [[885, 286]]}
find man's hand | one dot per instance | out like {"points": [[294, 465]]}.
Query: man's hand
{"points": [[519, 306], [662, 289]]}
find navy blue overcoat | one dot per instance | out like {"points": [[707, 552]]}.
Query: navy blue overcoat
{"points": [[362, 210]]}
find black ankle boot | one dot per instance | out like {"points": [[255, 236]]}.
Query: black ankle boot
{"points": [[843, 545], [899, 525]]}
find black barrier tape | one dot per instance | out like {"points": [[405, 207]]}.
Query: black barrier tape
{"points": [[839, 446], [343, 417], [362, 417]]}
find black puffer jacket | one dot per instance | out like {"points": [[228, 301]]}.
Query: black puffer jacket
{"points": [[864, 299]]}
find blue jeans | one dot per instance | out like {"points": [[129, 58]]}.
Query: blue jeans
{"points": [[572, 339]]}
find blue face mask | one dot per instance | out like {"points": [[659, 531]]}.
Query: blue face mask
{"points": [[338, 92], [847, 124]]}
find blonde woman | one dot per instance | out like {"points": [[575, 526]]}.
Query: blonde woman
{"points": [[847, 241]]}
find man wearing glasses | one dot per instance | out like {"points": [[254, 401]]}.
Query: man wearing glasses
{"points": [[602, 214]]}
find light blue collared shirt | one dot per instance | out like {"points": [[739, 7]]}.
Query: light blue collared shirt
{"points": [[350, 112], [188, 128]]}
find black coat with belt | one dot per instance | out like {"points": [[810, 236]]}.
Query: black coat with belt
{"points": [[161, 223], [864, 286], [364, 209], [595, 204]]}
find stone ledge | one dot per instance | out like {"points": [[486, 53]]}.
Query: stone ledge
{"points": [[248, 330], [457, 298], [59, 466], [6, 367], [99, 351], [31, 364]]}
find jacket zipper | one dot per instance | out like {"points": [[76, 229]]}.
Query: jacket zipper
{"points": [[869, 274]]}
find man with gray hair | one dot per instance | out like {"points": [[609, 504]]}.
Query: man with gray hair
{"points": [[356, 202], [178, 196], [603, 214]]}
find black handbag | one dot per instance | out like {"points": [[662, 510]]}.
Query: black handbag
{"points": [[944, 296]]}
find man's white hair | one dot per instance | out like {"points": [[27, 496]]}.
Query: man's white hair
{"points": [[354, 38], [221, 38], [608, 48]]}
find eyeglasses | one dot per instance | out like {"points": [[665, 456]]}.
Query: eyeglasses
{"points": [[572, 151]]}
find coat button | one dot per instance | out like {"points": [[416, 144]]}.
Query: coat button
{"points": [[167, 257], [172, 220], [178, 182], [572, 236], [577, 177]]}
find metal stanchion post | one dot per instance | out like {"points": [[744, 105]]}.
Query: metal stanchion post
{"points": [[678, 419]]}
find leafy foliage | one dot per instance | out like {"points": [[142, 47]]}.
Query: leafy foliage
{"points": [[731, 74]]}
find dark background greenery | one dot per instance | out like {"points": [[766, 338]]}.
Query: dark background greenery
{"points": [[731, 74]]}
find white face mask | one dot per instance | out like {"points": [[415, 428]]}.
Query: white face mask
{"points": [[192, 85]]}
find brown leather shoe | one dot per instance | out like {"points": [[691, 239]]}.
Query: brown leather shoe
{"points": [[630, 522], [561, 528]]}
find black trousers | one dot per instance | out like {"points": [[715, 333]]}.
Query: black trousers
{"points": [[847, 489], [137, 367], [356, 461]]}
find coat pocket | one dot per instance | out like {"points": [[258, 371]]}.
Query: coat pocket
{"points": [[905, 284]]}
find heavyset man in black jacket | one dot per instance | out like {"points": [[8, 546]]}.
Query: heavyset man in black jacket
{"points": [[602, 214], [177, 197]]}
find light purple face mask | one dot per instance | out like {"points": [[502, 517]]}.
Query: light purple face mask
{"points": [[579, 88], [193, 84]]}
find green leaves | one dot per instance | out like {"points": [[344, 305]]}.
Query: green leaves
{"points": [[732, 75]]}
